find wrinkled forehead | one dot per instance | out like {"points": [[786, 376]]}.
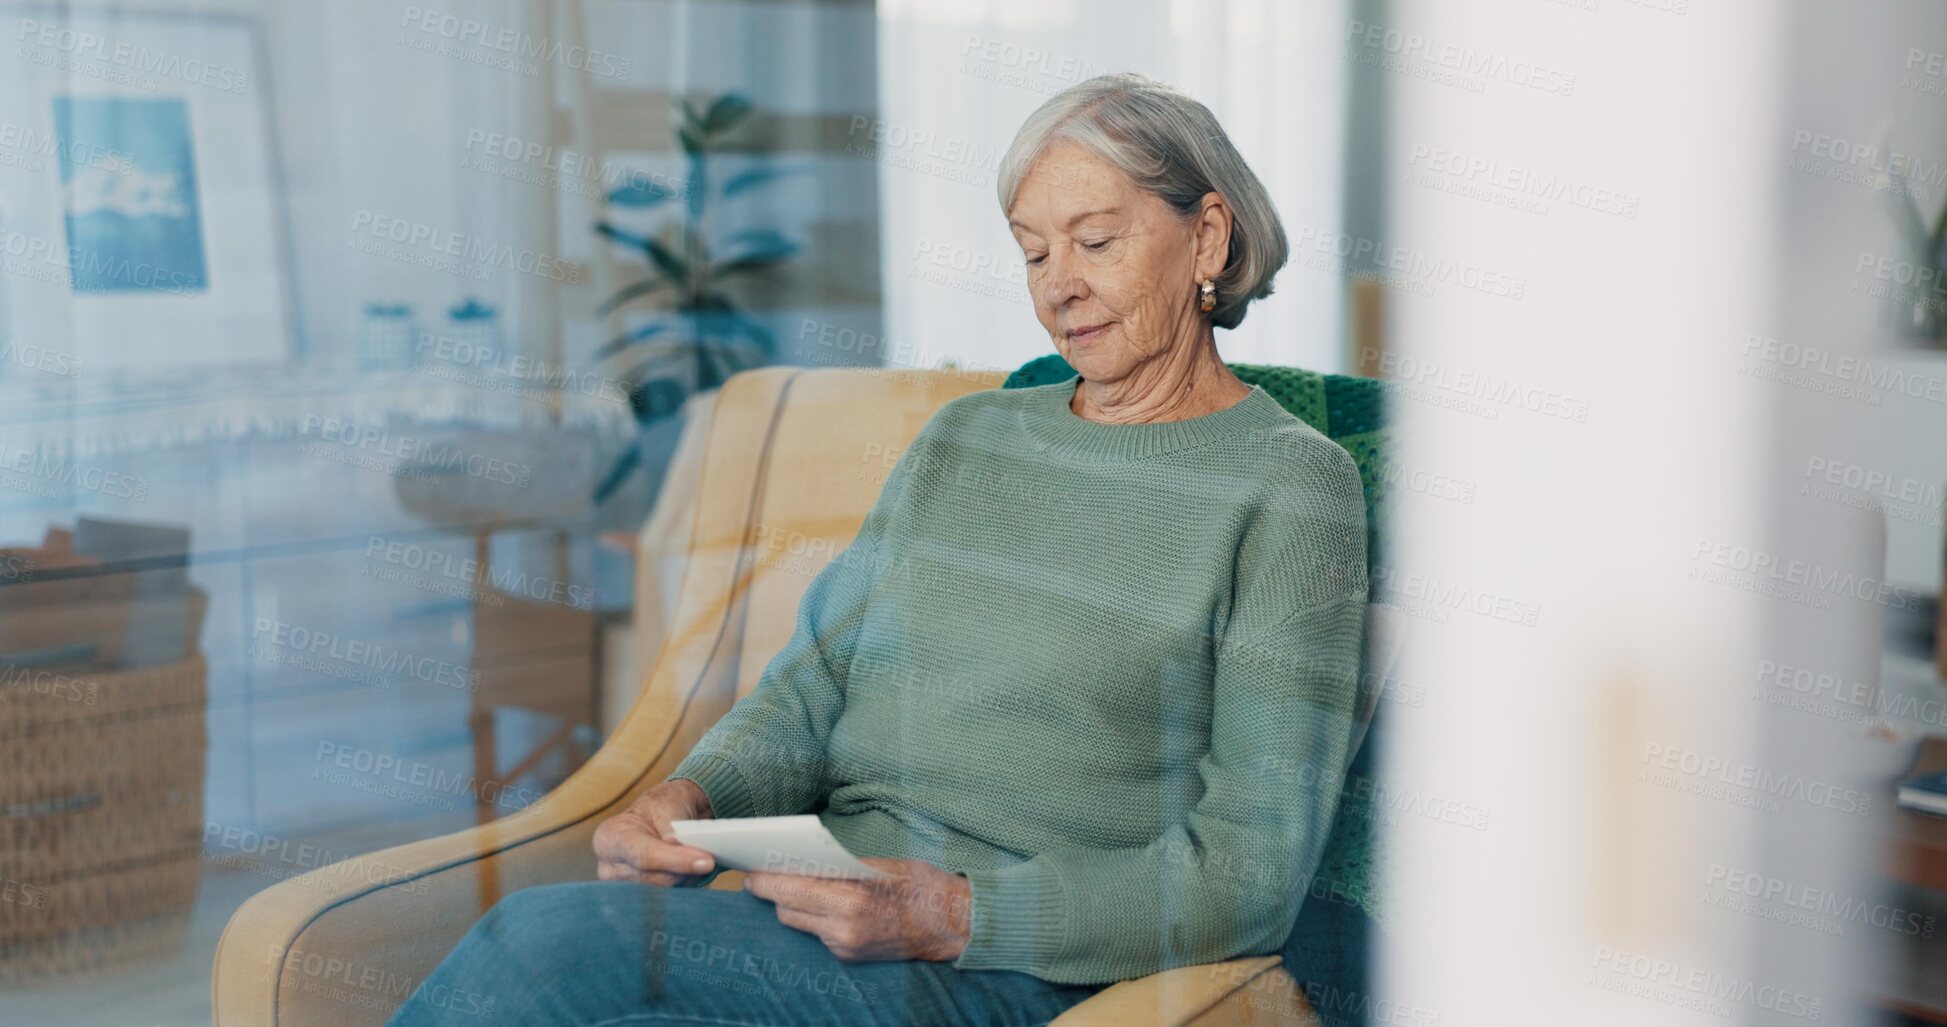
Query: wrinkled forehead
{"points": [[1066, 178]]}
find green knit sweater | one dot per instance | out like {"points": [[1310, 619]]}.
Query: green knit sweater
{"points": [[1105, 671]]}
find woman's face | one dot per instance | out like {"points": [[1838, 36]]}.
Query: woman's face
{"points": [[1112, 269]]}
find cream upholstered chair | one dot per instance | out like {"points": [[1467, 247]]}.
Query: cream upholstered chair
{"points": [[772, 480]]}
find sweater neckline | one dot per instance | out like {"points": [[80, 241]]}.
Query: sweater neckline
{"points": [[1047, 419]]}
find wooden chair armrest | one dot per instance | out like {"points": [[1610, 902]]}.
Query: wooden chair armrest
{"points": [[1255, 990], [389, 917]]}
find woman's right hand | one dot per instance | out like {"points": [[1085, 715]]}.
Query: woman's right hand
{"points": [[637, 844]]}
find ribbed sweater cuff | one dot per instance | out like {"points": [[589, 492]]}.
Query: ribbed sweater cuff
{"points": [[1017, 919], [720, 780]]}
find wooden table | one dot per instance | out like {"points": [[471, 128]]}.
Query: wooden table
{"points": [[1917, 855], [1919, 849]]}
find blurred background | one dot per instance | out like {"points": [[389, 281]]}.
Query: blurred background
{"points": [[344, 348]]}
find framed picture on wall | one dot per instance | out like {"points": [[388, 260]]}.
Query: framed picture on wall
{"points": [[142, 218]]}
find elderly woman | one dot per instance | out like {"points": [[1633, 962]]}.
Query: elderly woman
{"points": [[1082, 685]]}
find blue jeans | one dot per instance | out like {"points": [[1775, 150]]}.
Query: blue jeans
{"points": [[616, 952]]}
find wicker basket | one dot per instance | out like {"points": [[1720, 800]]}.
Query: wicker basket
{"points": [[51, 600], [101, 814]]}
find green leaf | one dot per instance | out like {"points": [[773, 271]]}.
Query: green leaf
{"points": [[641, 374], [654, 400], [710, 369], [758, 237], [696, 185], [613, 233], [760, 242], [1940, 239], [692, 140], [667, 354], [712, 302], [633, 291], [672, 361], [752, 262], [690, 116], [729, 358], [618, 472], [658, 254], [628, 339], [753, 177], [759, 334], [1912, 224], [721, 319], [640, 194], [745, 265], [748, 354], [696, 253], [724, 114], [762, 249]]}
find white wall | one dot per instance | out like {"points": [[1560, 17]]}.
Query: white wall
{"points": [[957, 78]]}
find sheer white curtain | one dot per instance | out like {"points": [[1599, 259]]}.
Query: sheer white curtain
{"points": [[957, 77]]}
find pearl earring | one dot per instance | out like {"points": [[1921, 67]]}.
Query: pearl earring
{"points": [[1207, 301]]}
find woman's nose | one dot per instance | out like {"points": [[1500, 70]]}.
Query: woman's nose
{"points": [[1059, 281]]}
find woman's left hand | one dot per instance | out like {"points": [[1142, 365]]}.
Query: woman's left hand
{"points": [[918, 911]]}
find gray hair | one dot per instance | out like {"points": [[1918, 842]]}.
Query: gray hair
{"points": [[1169, 145]]}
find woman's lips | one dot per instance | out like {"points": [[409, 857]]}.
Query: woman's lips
{"points": [[1086, 334]]}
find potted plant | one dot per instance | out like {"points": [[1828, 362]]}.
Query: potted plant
{"points": [[694, 335], [1926, 247]]}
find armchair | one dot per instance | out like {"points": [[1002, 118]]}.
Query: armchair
{"points": [[770, 482]]}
